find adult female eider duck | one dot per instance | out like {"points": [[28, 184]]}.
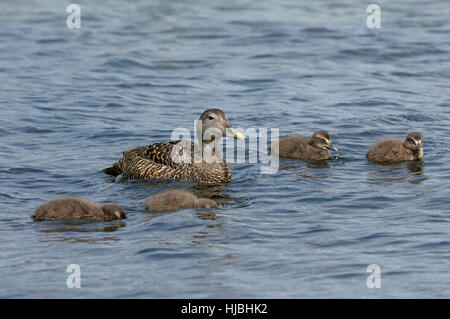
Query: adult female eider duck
{"points": [[78, 208], [305, 148], [181, 160], [394, 151], [175, 200]]}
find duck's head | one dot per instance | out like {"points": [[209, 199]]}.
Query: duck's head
{"points": [[214, 124], [113, 211], [322, 139], [205, 203], [414, 141]]}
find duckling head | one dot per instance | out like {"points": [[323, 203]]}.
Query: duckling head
{"points": [[322, 139], [414, 141], [113, 211], [205, 203], [214, 124]]}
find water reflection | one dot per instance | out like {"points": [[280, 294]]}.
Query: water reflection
{"points": [[208, 215], [67, 230], [214, 192], [412, 172], [317, 164], [297, 169], [416, 167], [80, 239], [201, 213]]}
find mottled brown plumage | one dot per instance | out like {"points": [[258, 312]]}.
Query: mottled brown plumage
{"points": [[175, 200], [78, 208], [301, 147], [181, 160], [392, 151]]}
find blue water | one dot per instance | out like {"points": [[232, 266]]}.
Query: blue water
{"points": [[71, 100]]}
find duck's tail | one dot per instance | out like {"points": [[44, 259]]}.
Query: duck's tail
{"points": [[113, 170]]}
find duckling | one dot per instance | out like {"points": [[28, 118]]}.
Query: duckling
{"points": [[71, 207], [301, 147], [181, 160], [175, 200], [392, 151]]}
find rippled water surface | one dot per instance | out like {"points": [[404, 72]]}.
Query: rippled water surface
{"points": [[71, 100]]}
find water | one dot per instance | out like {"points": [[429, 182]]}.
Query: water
{"points": [[73, 99]]}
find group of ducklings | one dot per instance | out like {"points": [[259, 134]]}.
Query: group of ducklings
{"points": [[78, 208], [386, 151], [156, 162]]}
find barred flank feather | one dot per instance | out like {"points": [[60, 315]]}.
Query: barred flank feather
{"points": [[155, 161]]}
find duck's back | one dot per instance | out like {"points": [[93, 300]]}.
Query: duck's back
{"points": [[68, 208], [299, 147], [171, 200], [175, 160], [175, 199], [389, 151], [289, 145]]}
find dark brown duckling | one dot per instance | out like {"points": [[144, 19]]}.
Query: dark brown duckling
{"points": [[394, 151], [301, 147], [175, 200], [78, 208]]}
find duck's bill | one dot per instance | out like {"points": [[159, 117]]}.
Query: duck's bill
{"points": [[331, 147], [236, 133]]}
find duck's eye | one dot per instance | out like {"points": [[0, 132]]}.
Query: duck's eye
{"points": [[210, 118]]}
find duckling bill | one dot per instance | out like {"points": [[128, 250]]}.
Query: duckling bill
{"points": [[395, 150], [160, 160], [66, 208], [305, 148]]}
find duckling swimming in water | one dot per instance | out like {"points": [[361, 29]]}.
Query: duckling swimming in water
{"points": [[175, 200], [301, 147], [182, 160], [394, 151], [71, 207]]}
